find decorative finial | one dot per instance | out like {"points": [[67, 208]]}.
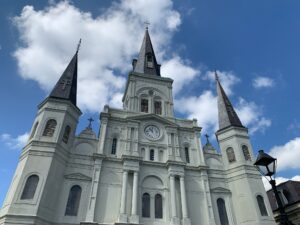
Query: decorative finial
{"points": [[216, 75], [78, 46], [90, 123], [147, 23], [207, 140]]}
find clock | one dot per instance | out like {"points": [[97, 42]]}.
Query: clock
{"points": [[152, 132]]}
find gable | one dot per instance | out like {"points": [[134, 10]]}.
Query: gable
{"points": [[154, 117]]}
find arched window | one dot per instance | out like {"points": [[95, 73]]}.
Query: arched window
{"points": [[222, 212], [146, 205], [246, 153], [230, 154], [144, 105], [114, 146], [66, 134], [158, 206], [73, 201], [187, 155], [149, 59], [261, 205], [30, 187], [152, 154], [157, 107], [34, 130], [50, 128]]}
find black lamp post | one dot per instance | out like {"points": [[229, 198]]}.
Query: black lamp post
{"points": [[266, 165]]}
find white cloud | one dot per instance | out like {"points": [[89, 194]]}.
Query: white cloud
{"points": [[109, 42], [279, 180], [251, 116], [261, 82], [204, 106], [287, 155], [14, 143], [227, 79], [180, 71]]}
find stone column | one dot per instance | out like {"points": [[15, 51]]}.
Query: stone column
{"points": [[90, 214], [185, 219], [123, 215], [134, 215], [173, 197], [102, 135], [174, 219]]}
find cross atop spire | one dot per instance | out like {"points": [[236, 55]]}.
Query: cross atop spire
{"points": [[66, 87], [207, 138], [146, 63], [227, 115], [78, 46], [90, 123]]}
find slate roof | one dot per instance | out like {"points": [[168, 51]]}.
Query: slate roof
{"points": [[66, 87], [226, 112], [140, 65]]}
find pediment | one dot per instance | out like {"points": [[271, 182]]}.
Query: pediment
{"points": [[220, 190], [153, 117], [78, 176]]}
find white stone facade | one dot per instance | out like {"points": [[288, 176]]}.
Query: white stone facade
{"points": [[113, 177]]}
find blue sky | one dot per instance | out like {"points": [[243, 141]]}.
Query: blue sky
{"points": [[254, 46]]}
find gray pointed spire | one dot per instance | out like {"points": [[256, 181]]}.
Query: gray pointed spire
{"points": [[146, 62], [227, 114], [66, 87]]}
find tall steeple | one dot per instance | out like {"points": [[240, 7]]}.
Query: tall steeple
{"points": [[66, 87], [146, 62], [227, 114]]}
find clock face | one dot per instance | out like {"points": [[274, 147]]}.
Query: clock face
{"points": [[152, 132]]}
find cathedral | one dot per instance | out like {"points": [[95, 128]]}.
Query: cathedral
{"points": [[144, 166]]}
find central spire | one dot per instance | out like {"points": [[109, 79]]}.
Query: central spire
{"points": [[227, 115], [146, 62]]}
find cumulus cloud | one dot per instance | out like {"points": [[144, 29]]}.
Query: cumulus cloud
{"points": [[204, 106], [261, 82], [287, 155], [180, 71], [251, 116], [14, 142], [227, 79], [110, 40], [279, 180]]}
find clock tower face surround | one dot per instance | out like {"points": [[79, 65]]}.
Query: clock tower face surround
{"points": [[152, 132]]}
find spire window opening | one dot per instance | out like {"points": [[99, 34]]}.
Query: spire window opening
{"points": [[66, 134], [157, 107], [114, 146], [50, 128], [30, 187], [187, 155], [152, 154], [144, 105], [230, 155], [149, 59], [34, 130], [246, 153]]}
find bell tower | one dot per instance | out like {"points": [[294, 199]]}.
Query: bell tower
{"points": [[40, 171], [244, 181]]}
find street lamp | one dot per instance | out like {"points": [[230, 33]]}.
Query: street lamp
{"points": [[266, 165]]}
